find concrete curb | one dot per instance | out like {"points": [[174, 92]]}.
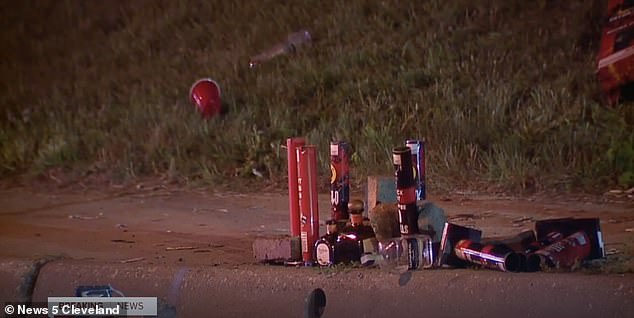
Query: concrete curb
{"points": [[276, 291], [18, 278]]}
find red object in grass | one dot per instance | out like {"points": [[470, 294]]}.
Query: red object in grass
{"points": [[615, 61], [205, 94]]}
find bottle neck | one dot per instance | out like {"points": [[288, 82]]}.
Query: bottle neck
{"points": [[331, 229], [356, 219]]}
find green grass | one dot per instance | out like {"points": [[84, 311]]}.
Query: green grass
{"points": [[504, 92]]}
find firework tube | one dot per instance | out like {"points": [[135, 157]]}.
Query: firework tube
{"points": [[339, 180], [293, 197], [499, 256], [418, 161], [405, 191], [308, 201]]}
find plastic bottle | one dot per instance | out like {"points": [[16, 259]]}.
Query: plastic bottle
{"points": [[292, 44], [406, 253]]}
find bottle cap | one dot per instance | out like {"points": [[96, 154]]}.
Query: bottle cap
{"points": [[356, 206]]}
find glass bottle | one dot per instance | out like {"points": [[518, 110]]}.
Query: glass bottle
{"points": [[358, 229], [325, 246]]}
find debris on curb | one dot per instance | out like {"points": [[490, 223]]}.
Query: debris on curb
{"points": [[179, 248], [84, 217], [410, 233], [132, 260]]}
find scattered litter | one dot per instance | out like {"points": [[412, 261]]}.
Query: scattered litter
{"points": [[84, 217], [612, 251], [257, 173], [122, 241], [179, 248], [97, 291], [201, 210], [223, 210], [620, 193], [462, 217], [132, 260], [523, 219], [121, 226], [293, 43], [629, 230]]}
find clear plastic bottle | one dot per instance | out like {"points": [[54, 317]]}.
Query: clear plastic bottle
{"points": [[292, 44], [410, 252]]}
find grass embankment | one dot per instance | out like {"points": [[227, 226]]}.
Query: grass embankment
{"points": [[503, 91]]}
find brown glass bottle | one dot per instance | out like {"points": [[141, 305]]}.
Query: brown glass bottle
{"points": [[325, 246], [357, 230]]}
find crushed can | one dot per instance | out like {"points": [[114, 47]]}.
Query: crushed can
{"points": [[405, 191], [417, 148], [569, 226], [565, 253]]}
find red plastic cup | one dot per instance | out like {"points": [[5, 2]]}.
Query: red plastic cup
{"points": [[205, 95]]}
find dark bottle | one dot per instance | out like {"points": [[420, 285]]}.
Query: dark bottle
{"points": [[325, 246], [357, 230]]}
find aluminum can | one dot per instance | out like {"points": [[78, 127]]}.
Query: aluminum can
{"points": [[418, 161], [565, 253], [500, 257], [405, 191]]}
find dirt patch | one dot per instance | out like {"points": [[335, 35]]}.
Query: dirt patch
{"points": [[159, 224]]}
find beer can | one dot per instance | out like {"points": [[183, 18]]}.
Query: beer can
{"points": [[405, 191], [339, 180], [417, 148], [565, 253], [500, 257], [569, 226]]}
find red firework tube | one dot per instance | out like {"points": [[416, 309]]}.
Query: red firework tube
{"points": [[405, 191], [293, 196], [500, 257], [564, 253], [308, 201], [339, 180]]}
